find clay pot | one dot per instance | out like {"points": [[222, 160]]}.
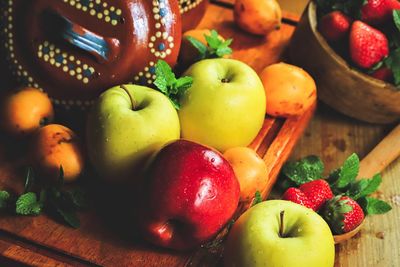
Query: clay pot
{"points": [[192, 12], [339, 85], [74, 50]]}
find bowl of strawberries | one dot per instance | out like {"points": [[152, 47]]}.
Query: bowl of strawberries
{"points": [[352, 49]]}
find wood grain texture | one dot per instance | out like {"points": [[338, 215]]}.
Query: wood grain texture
{"points": [[101, 243]]}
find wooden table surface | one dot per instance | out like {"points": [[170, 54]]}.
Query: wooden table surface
{"points": [[334, 137]]}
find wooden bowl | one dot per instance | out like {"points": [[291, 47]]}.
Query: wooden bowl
{"points": [[344, 237], [339, 85]]}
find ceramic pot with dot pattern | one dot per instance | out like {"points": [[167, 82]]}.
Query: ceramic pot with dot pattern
{"points": [[75, 49], [192, 12]]}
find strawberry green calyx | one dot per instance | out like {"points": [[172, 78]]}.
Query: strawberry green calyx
{"points": [[215, 48], [334, 213], [169, 85]]}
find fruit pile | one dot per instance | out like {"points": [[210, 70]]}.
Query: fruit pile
{"points": [[339, 198], [364, 32], [53, 153], [182, 144]]}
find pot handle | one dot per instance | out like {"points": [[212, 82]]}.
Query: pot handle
{"points": [[102, 48]]}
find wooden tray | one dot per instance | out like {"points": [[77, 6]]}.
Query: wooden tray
{"points": [[40, 241]]}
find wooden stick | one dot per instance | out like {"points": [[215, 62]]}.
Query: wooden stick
{"points": [[382, 155]]}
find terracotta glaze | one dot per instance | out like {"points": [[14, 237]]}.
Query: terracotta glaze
{"points": [[75, 49]]}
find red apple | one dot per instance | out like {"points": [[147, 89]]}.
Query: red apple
{"points": [[191, 192]]}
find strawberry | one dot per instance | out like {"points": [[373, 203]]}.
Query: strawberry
{"points": [[378, 11], [384, 74], [334, 26], [318, 192], [342, 214], [295, 195], [368, 46]]}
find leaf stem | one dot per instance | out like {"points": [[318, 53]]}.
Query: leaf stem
{"points": [[133, 101], [281, 226]]}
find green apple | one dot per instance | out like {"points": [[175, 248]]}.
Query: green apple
{"points": [[259, 239], [126, 126], [225, 107]]}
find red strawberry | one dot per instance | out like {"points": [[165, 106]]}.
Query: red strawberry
{"points": [[384, 74], [334, 26], [378, 11], [295, 195], [368, 45], [318, 192], [342, 214]]}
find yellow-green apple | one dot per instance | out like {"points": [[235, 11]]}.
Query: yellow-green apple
{"points": [[126, 125], [225, 107], [190, 193], [280, 233]]}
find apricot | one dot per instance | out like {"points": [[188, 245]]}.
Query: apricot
{"points": [[250, 170], [24, 111], [258, 16], [290, 90], [188, 53], [53, 146]]}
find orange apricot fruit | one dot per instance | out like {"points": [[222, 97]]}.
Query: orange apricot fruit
{"points": [[53, 146], [258, 16], [250, 170], [24, 111], [290, 90]]}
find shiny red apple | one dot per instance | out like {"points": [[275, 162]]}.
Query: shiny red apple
{"points": [[191, 192]]}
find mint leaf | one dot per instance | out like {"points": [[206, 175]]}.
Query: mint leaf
{"points": [[29, 180], [257, 198], [350, 8], [212, 40], [164, 76], [27, 204], [69, 217], [183, 84], [333, 176], [78, 198], [364, 187], [349, 171], [4, 199], [224, 48], [61, 176], [199, 46], [371, 185], [393, 63], [305, 170], [167, 83], [396, 18], [374, 206]]}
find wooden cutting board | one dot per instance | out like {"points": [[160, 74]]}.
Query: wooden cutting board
{"points": [[41, 241]]}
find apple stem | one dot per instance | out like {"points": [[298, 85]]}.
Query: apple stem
{"points": [[281, 227], [133, 101]]}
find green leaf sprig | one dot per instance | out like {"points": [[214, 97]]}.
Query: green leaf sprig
{"points": [[169, 85], [342, 181], [215, 48], [257, 198], [52, 199]]}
